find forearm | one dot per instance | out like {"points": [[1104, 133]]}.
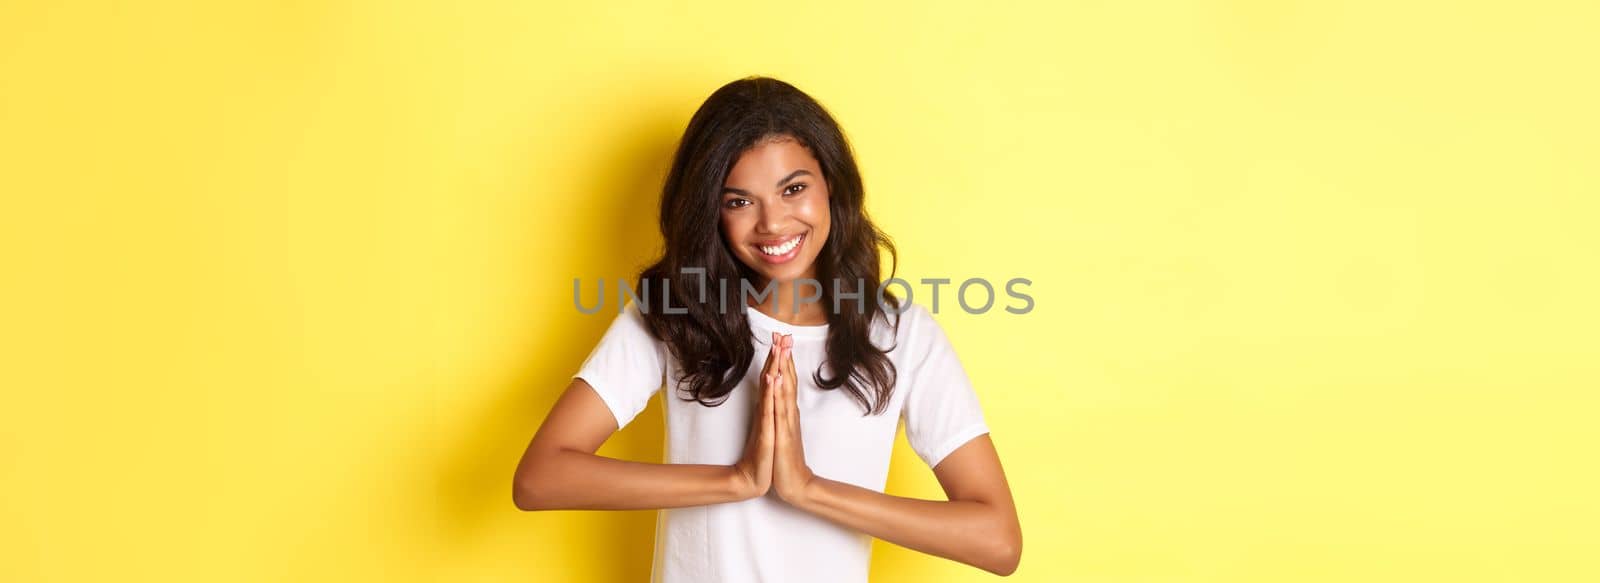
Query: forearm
{"points": [[967, 531], [574, 480]]}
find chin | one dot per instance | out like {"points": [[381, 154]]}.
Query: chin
{"points": [[787, 274]]}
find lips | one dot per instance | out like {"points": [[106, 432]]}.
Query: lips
{"points": [[780, 250], [782, 245]]}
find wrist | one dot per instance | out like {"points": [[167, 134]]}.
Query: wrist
{"points": [[808, 494], [816, 489], [736, 484]]}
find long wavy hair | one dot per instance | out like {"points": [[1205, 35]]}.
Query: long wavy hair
{"points": [[713, 345]]}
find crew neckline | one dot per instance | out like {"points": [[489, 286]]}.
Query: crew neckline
{"points": [[773, 324]]}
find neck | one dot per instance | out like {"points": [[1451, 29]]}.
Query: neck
{"points": [[781, 304]]}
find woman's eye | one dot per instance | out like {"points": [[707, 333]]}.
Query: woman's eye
{"points": [[794, 189], [735, 203]]}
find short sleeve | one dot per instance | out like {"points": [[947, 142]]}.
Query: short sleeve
{"points": [[941, 411], [627, 367]]}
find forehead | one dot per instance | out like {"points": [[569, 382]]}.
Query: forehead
{"points": [[770, 160]]}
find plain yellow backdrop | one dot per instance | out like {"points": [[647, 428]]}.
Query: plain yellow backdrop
{"points": [[287, 285]]}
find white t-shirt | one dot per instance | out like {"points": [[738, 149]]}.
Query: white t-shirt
{"points": [[764, 539]]}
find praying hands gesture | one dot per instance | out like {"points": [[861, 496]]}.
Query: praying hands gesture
{"points": [[977, 525], [790, 474], [774, 455]]}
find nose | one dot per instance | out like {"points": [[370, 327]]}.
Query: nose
{"points": [[772, 217]]}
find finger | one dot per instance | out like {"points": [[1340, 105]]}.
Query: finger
{"points": [[791, 405], [780, 411], [772, 353], [788, 364], [758, 411], [777, 371], [786, 368], [768, 416], [775, 418], [791, 408], [791, 397], [774, 390], [768, 399], [774, 363], [775, 357]]}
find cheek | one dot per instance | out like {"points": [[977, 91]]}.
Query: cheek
{"points": [[732, 231], [815, 212]]}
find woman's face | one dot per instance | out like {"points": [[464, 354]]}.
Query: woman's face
{"points": [[775, 210]]}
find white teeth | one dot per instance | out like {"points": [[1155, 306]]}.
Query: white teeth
{"points": [[781, 249]]}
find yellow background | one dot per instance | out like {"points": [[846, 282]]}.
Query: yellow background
{"points": [[288, 284]]}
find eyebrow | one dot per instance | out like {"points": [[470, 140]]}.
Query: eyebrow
{"points": [[785, 180]]}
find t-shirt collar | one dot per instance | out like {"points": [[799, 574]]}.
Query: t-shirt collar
{"points": [[771, 324]]}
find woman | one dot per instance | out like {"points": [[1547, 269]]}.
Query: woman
{"points": [[771, 474]]}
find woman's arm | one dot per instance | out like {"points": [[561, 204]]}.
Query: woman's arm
{"points": [[559, 470], [977, 526]]}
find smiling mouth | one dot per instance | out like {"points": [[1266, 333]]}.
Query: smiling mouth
{"points": [[783, 248]]}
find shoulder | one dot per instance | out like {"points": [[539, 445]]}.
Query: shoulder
{"points": [[629, 315], [914, 319], [914, 328], [630, 322]]}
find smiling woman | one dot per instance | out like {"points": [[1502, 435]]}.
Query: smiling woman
{"points": [[775, 470], [768, 165], [755, 231]]}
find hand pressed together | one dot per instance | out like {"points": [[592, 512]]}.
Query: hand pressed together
{"points": [[774, 453], [790, 474]]}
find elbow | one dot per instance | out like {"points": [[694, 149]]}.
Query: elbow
{"points": [[1005, 556], [536, 485], [523, 496], [529, 496], [1012, 559], [528, 492]]}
